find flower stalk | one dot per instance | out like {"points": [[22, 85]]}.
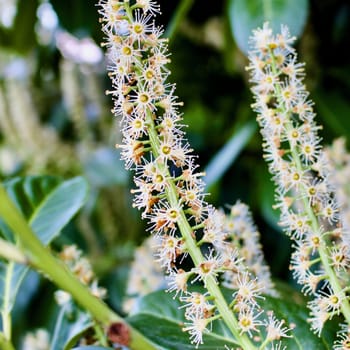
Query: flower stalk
{"points": [[169, 190], [194, 250], [11, 253], [314, 223], [310, 212], [5, 344]]}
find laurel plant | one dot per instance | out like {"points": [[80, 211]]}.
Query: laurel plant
{"points": [[201, 279]]}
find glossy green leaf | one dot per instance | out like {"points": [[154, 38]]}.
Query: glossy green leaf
{"points": [[168, 335], [334, 110], [163, 312], [78, 16], [246, 15], [58, 208], [178, 17], [11, 277], [48, 204], [160, 303], [26, 294], [291, 307], [297, 315], [167, 319], [69, 328], [29, 193], [26, 193]]}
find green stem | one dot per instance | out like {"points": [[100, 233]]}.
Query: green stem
{"points": [[58, 324], [195, 252], [173, 198], [11, 252], [180, 14], [6, 309], [41, 259], [264, 344], [100, 335], [322, 249], [5, 344]]}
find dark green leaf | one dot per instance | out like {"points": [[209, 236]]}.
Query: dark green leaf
{"points": [[296, 315], [48, 204], [160, 303], [168, 335], [162, 311], [58, 208], [246, 15], [178, 17], [167, 319], [291, 307], [70, 326], [334, 110], [28, 291], [11, 277], [78, 15], [27, 193]]}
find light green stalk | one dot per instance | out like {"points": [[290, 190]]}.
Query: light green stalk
{"points": [[195, 252], [5, 344], [180, 13], [186, 230], [11, 252], [40, 258]]}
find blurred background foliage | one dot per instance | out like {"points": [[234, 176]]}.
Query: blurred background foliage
{"points": [[55, 117]]}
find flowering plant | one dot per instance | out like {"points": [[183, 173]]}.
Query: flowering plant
{"points": [[209, 261]]}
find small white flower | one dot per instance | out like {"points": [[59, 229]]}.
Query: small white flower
{"points": [[62, 297], [248, 321], [275, 328], [38, 340], [196, 327]]}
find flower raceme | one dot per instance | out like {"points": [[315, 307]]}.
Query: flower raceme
{"points": [[310, 211], [169, 189]]}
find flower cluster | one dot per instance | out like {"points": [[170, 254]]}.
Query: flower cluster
{"points": [[145, 274], [310, 211], [37, 340], [81, 267], [169, 189], [242, 234]]}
